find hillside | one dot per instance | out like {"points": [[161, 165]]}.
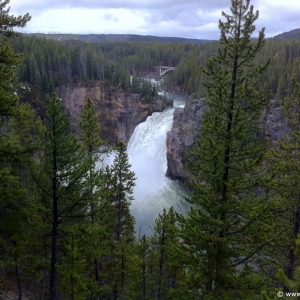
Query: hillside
{"points": [[100, 38], [290, 35]]}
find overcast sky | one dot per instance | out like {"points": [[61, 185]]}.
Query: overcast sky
{"points": [[173, 18]]}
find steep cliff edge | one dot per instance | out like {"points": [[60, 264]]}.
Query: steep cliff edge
{"points": [[186, 130], [182, 137], [119, 112]]}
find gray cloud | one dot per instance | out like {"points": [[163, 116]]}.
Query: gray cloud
{"points": [[188, 18], [129, 4]]}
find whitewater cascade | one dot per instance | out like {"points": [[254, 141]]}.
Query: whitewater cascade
{"points": [[147, 155]]}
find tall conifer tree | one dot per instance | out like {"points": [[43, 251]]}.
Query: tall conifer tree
{"points": [[91, 142], [284, 161], [143, 249], [162, 261], [62, 180], [90, 128], [228, 226], [8, 58], [13, 188], [119, 261]]}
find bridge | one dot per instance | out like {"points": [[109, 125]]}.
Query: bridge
{"points": [[164, 69]]}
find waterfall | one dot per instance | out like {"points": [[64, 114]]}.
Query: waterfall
{"points": [[147, 155]]}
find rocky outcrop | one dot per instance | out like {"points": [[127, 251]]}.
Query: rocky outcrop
{"points": [[275, 123], [186, 129], [119, 112], [181, 138]]}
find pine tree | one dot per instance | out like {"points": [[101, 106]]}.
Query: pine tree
{"points": [[14, 190], [9, 146], [229, 226], [8, 59], [97, 240], [9, 22], [62, 180], [90, 128], [143, 249], [162, 261], [123, 231], [19, 141], [119, 261], [284, 161], [291, 284], [73, 267], [91, 141], [123, 183]]}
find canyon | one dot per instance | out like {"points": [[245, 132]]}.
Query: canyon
{"points": [[119, 112], [186, 130]]}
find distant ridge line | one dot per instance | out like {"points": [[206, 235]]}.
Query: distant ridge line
{"points": [[101, 38], [289, 35]]}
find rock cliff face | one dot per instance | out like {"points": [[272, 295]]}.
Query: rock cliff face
{"points": [[119, 112], [182, 137], [186, 129], [275, 123]]}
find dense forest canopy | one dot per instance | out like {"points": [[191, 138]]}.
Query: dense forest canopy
{"points": [[48, 63]]}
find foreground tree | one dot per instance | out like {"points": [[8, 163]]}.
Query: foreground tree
{"points": [[62, 180], [228, 226], [163, 265], [119, 260], [72, 270], [13, 154], [292, 283], [143, 250], [10, 146], [8, 59], [284, 160], [91, 142]]}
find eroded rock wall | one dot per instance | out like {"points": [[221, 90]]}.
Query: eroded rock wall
{"points": [[182, 137], [119, 112], [186, 129]]}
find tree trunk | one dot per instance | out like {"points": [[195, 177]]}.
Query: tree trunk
{"points": [[18, 280], [144, 280], [161, 264], [292, 258], [53, 272]]}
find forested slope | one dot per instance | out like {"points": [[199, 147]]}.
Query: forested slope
{"points": [[284, 61], [101, 38], [290, 35], [48, 63]]}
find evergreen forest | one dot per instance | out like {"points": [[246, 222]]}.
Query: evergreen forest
{"points": [[66, 231]]}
